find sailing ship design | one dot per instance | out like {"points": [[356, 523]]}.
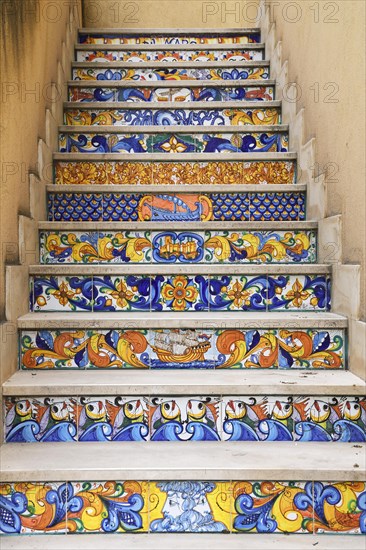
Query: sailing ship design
{"points": [[178, 346]]}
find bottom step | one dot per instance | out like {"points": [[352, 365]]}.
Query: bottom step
{"points": [[185, 542]]}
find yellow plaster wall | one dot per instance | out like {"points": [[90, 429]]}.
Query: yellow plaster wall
{"points": [[31, 36]]}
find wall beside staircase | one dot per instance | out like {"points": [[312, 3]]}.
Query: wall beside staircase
{"points": [[322, 46]]}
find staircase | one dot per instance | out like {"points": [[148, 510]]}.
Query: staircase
{"points": [[178, 299]]}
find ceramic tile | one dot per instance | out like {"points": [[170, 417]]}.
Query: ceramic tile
{"points": [[122, 293], [69, 248], [230, 206], [121, 247], [271, 172], [221, 172], [170, 56], [298, 292], [182, 349], [115, 38], [273, 507], [177, 247], [277, 206], [260, 246], [80, 349], [190, 506], [310, 348], [124, 206], [77, 207], [247, 349], [332, 419], [34, 508], [185, 418], [177, 207], [112, 419], [238, 116], [339, 508], [179, 293], [118, 507], [104, 143], [179, 173], [49, 419], [59, 293], [237, 293], [173, 143]]}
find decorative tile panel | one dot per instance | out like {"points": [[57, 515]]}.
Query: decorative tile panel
{"points": [[114, 38], [185, 418], [180, 207], [193, 117], [183, 348], [262, 507], [261, 92], [170, 55], [179, 293], [49, 419], [151, 73]]}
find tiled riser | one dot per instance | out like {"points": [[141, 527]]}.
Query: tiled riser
{"points": [[193, 117], [245, 38], [261, 142], [200, 506], [141, 94], [166, 247], [199, 73], [180, 293], [193, 418], [136, 56], [195, 349], [170, 173], [188, 207]]}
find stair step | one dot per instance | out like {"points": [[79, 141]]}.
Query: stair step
{"points": [[110, 242], [177, 52], [171, 90], [160, 71], [196, 114], [174, 139], [168, 36], [189, 541], [164, 461]]}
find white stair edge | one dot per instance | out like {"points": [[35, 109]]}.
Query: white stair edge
{"points": [[179, 226], [211, 461], [169, 47], [190, 105], [152, 382], [174, 188], [187, 319], [176, 129], [270, 83], [183, 541], [165, 31], [169, 64], [176, 157], [187, 269]]}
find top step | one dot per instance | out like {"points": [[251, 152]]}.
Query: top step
{"points": [[169, 36]]}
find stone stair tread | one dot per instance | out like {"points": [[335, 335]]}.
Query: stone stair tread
{"points": [[188, 269], [171, 47], [175, 157], [188, 541], [183, 382], [178, 226], [185, 319], [168, 83], [189, 105], [201, 461], [165, 31], [174, 188], [176, 129], [169, 65]]}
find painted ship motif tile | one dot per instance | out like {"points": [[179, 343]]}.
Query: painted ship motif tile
{"points": [[179, 173], [113, 419], [50, 419], [154, 74], [183, 349], [166, 117], [132, 56], [185, 418], [245, 38], [191, 506], [140, 94]]}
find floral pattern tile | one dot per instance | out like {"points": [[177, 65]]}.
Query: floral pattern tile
{"points": [[238, 293], [58, 293], [299, 292]]}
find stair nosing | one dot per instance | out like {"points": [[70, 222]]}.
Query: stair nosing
{"points": [[189, 105], [177, 157], [170, 65], [168, 30], [168, 83], [169, 47], [176, 129], [187, 188]]}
